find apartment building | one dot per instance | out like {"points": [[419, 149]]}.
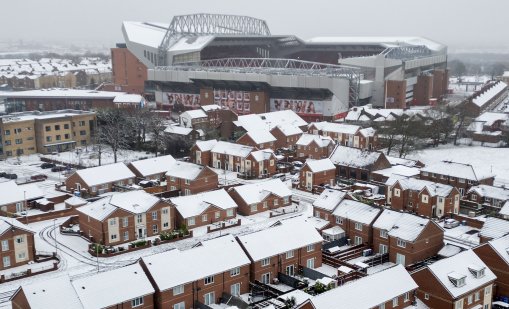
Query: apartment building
{"points": [[261, 196], [200, 275], [461, 281], [101, 179], [35, 132], [353, 163], [190, 178], [313, 146], [407, 238], [282, 248], [204, 208], [17, 243], [125, 217], [317, 173], [422, 197]]}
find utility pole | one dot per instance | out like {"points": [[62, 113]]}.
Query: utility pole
{"points": [[54, 230]]}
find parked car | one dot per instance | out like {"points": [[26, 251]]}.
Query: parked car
{"points": [[148, 183], [2, 173], [280, 176], [58, 168], [11, 176], [451, 223], [46, 165], [297, 164], [39, 177]]}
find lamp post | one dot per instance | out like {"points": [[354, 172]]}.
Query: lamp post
{"points": [[54, 230]]}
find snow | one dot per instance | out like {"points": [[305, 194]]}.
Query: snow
{"points": [[258, 191], [485, 97], [212, 257], [12, 193], [459, 265], [353, 157], [356, 211], [262, 155], [340, 128], [413, 184], [185, 170], [501, 246], [306, 139], [401, 161], [329, 199], [211, 107], [57, 293], [232, 149], [176, 129], [399, 170], [401, 225], [498, 193], [366, 293], [24, 116], [206, 145], [494, 228], [321, 165], [455, 169], [105, 174], [449, 250], [149, 34], [153, 166], [289, 129], [193, 114], [196, 204], [288, 235], [261, 136], [7, 224], [189, 44], [504, 211], [128, 98], [113, 287], [63, 93], [98, 210]]}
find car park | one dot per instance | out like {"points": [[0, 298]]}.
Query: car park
{"points": [[58, 168], [46, 165]]}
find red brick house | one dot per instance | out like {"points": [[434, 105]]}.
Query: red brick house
{"points": [[286, 136], [191, 178], [261, 196], [356, 219], [125, 217], [461, 281], [17, 243], [282, 248], [488, 196], [324, 205], [494, 254], [259, 138], [260, 164], [202, 274], [152, 168], [316, 173], [407, 238], [460, 175], [200, 152], [422, 197], [204, 208], [400, 293], [15, 198], [367, 139], [353, 163], [230, 156], [313, 146], [493, 228], [101, 179]]}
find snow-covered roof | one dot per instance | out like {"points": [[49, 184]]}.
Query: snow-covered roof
{"points": [[414, 184], [486, 96], [33, 115], [289, 129], [333, 127], [261, 136], [173, 268], [194, 205], [57, 293], [94, 176], [487, 119], [63, 93], [179, 130], [128, 98], [368, 132], [329, 199], [152, 166], [232, 149], [306, 139], [491, 192], [367, 292], [455, 169], [210, 107], [193, 114], [289, 235], [7, 224], [494, 228], [264, 154], [504, 211], [402, 161], [258, 191], [386, 41], [399, 170], [12, 193], [320, 165], [449, 250], [268, 121], [75, 201], [185, 170], [458, 265], [354, 157], [113, 287], [401, 225], [150, 34], [189, 44], [501, 247], [356, 211], [206, 145]]}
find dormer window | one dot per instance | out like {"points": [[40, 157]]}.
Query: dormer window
{"points": [[477, 271], [457, 279]]}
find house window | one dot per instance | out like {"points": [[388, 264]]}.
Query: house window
{"points": [[139, 218], [310, 263], [181, 305], [339, 220], [113, 221], [384, 233], [426, 296], [424, 173], [154, 215], [155, 229], [397, 192], [6, 261], [477, 296], [204, 218], [235, 289], [424, 198], [276, 202], [113, 236], [7, 132], [66, 126], [235, 271], [381, 306], [138, 301], [209, 298], [229, 212], [83, 132], [395, 302], [358, 226], [265, 204], [265, 262], [406, 297], [5, 245], [126, 235], [401, 243], [125, 222], [289, 254], [22, 256], [266, 278], [470, 299], [188, 182], [48, 128], [208, 280], [165, 224], [172, 179], [254, 207], [187, 192], [487, 290], [165, 211], [461, 180], [357, 240], [190, 221], [287, 199], [178, 290], [474, 197], [217, 214], [459, 304], [310, 248]]}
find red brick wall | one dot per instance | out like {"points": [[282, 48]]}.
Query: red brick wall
{"points": [[127, 71], [498, 266], [10, 237]]}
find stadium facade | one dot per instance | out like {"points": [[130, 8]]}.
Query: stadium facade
{"points": [[235, 62]]}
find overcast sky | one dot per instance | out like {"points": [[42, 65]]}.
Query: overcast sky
{"points": [[461, 24]]}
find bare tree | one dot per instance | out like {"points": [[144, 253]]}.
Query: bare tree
{"points": [[115, 129], [156, 127]]}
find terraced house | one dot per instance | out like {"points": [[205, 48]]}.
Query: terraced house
{"points": [[17, 243], [261, 196], [190, 178]]}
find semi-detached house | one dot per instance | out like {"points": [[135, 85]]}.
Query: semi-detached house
{"points": [[353, 163], [17, 243], [152, 168], [190, 178], [125, 217], [200, 275], [15, 198], [261, 196], [313, 146], [324, 205], [317, 173]]}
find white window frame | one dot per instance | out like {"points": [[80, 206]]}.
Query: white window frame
{"points": [[181, 305], [384, 234], [401, 243], [310, 248], [5, 245], [208, 280], [235, 271], [395, 301], [138, 301], [177, 290], [358, 226], [290, 254], [265, 262]]}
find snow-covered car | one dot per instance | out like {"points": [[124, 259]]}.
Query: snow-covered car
{"points": [[451, 223]]}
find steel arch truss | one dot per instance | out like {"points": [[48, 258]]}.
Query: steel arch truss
{"points": [[209, 24]]}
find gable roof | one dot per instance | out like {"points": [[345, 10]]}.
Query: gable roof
{"points": [[194, 113], [57, 293], [258, 191], [401, 225], [491, 192], [264, 154], [414, 184], [12, 192], [288, 129], [354, 157], [455, 169], [269, 120], [366, 293], [210, 258], [494, 228], [501, 247], [329, 199], [306, 139], [458, 265], [7, 224], [320, 165], [341, 128], [153, 166], [185, 170], [260, 136], [288, 235], [206, 145], [113, 287], [194, 205], [356, 211], [232, 149], [105, 174]]}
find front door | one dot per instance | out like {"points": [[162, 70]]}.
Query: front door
{"points": [[141, 232], [400, 259], [290, 270]]}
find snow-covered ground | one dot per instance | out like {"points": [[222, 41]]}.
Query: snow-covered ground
{"points": [[484, 159], [89, 157]]}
